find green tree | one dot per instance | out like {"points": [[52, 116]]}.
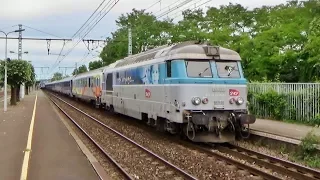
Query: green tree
{"points": [[32, 79], [95, 65], [80, 70], [276, 43], [57, 76], [19, 72], [147, 32]]}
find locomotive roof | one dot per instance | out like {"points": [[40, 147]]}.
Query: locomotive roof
{"points": [[185, 50], [90, 73], [61, 80]]}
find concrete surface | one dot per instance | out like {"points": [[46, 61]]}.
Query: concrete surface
{"points": [[14, 127], [55, 154], [295, 131]]}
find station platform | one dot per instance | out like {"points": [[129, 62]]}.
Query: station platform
{"points": [[35, 144], [280, 128]]}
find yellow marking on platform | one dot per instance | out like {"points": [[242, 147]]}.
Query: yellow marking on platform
{"points": [[24, 171]]}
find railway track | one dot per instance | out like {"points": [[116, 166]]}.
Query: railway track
{"points": [[275, 164], [260, 161], [258, 165], [160, 167]]}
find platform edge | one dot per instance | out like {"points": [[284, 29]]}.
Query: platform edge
{"points": [[93, 161]]}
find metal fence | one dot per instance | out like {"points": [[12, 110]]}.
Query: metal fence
{"points": [[301, 99]]}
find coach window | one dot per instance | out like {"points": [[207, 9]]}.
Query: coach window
{"points": [[109, 82], [168, 69]]}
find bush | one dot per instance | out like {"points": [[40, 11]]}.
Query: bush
{"points": [[273, 103], [307, 150]]}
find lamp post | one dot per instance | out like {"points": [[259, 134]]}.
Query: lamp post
{"points": [[5, 68]]}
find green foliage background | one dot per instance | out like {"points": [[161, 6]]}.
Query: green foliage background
{"points": [[289, 102], [275, 42], [19, 72]]}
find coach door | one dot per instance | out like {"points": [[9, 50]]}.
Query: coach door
{"points": [[71, 85]]}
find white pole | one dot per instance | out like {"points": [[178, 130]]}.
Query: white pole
{"points": [[5, 77]]}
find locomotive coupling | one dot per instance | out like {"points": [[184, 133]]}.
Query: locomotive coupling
{"points": [[246, 118]]}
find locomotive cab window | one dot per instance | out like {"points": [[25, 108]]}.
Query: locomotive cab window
{"points": [[228, 69], [198, 69]]}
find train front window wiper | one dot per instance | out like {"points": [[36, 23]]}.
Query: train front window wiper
{"points": [[230, 69], [203, 72]]}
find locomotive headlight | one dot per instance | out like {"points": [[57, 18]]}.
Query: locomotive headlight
{"points": [[205, 100], [240, 100], [176, 104], [196, 100]]}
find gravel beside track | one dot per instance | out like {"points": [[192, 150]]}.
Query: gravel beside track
{"points": [[265, 150], [136, 161], [276, 164], [191, 161]]}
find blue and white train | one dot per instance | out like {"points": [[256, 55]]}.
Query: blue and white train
{"points": [[191, 88]]}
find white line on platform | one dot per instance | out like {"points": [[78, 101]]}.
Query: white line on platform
{"points": [[24, 171]]}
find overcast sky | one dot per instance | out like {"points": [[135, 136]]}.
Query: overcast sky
{"points": [[63, 18]]}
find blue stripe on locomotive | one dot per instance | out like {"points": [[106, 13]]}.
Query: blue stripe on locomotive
{"points": [[156, 74], [149, 74]]}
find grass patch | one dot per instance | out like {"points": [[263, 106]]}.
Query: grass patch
{"points": [[307, 151]]}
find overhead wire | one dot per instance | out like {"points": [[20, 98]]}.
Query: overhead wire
{"points": [[88, 19], [192, 8], [100, 20], [167, 7], [79, 31], [183, 3], [159, 16], [41, 31], [92, 27], [36, 29], [7, 27], [176, 7], [97, 18], [152, 5]]}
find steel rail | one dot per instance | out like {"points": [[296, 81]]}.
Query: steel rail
{"points": [[101, 149], [185, 174], [289, 168], [209, 152]]}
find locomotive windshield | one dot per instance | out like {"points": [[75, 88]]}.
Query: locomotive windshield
{"points": [[202, 69], [198, 69], [228, 69]]}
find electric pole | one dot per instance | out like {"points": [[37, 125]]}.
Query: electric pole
{"points": [[129, 41], [65, 69], [20, 43], [42, 68]]}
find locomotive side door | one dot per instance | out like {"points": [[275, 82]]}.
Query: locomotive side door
{"points": [[167, 90]]}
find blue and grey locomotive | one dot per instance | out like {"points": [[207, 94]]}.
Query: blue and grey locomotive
{"points": [[190, 88]]}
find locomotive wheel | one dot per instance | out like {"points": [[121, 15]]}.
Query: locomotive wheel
{"points": [[161, 125]]}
